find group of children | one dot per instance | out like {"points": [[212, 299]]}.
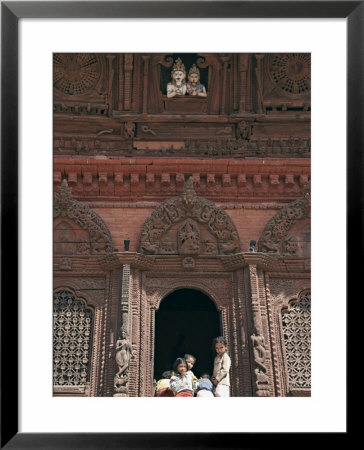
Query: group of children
{"points": [[181, 382]]}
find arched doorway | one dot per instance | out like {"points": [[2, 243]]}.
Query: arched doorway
{"points": [[186, 322]]}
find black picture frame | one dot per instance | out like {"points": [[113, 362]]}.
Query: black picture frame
{"points": [[11, 12]]}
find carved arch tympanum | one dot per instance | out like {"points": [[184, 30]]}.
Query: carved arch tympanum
{"points": [[276, 237], [189, 225], [90, 236]]}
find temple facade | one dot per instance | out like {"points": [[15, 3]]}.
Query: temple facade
{"points": [[181, 213]]}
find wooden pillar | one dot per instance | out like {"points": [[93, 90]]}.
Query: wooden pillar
{"points": [[110, 59], [124, 350], [128, 68], [145, 84], [261, 378]]}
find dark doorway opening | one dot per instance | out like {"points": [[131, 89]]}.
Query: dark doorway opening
{"points": [[187, 321]]}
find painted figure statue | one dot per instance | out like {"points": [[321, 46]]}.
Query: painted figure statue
{"points": [[194, 87], [178, 84]]}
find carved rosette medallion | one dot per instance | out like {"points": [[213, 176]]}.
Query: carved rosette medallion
{"points": [[189, 225], [291, 72], [275, 237], [84, 217], [75, 73]]}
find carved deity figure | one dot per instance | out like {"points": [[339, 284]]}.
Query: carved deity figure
{"points": [[194, 86], [188, 238], [290, 245], [244, 130], [189, 193], [177, 87], [129, 129], [124, 352], [261, 378], [258, 349]]}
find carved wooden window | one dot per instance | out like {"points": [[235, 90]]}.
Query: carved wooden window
{"points": [[72, 332], [188, 60], [296, 322]]}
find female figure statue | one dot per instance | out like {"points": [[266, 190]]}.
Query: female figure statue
{"points": [[194, 87]]}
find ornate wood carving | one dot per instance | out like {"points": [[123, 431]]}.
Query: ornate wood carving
{"points": [[287, 82], [262, 379], [128, 69], [273, 339], [122, 143], [76, 73], [207, 229], [291, 72], [275, 237], [73, 327], [155, 287], [99, 237], [282, 292], [296, 328], [124, 351]]}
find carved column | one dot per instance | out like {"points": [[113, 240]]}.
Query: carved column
{"points": [[110, 59], [225, 60], [243, 68], [242, 295], [120, 83], [145, 83], [128, 68], [262, 388], [258, 73], [123, 347]]}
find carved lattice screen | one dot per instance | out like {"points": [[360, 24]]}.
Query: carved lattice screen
{"points": [[297, 341], [72, 331]]}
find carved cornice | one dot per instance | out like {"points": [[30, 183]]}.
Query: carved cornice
{"points": [[160, 178], [209, 266], [241, 260], [268, 262], [135, 260]]}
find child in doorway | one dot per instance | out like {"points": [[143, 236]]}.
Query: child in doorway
{"points": [[222, 363], [190, 361], [205, 387], [182, 383], [163, 388]]}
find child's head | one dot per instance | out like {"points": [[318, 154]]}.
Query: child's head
{"points": [[219, 345], [205, 375], [180, 365], [190, 361], [166, 374]]}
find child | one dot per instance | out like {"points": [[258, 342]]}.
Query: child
{"points": [[222, 364], [182, 383], [162, 388], [205, 387], [190, 361]]}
